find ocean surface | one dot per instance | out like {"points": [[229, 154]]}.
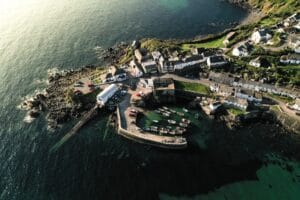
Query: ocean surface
{"points": [[256, 162]]}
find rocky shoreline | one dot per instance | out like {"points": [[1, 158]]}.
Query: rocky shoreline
{"points": [[54, 98], [242, 3]]}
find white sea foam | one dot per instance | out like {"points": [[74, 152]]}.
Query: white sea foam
{"points": [[28, 119]]}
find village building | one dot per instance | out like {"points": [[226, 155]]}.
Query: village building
{"points": [[236, 102], [192, 62], [262, 35], [206, 54], [255, 62], [159, 59], [169, 66], [259, 62], [216, 61], [149, 67], [106, 94], [223, 78], [156, 55], [186, 65], [297, 26], [242, 50], [135, 44], [296, 106], [214, 106], [262, 87], [145, 83], [116, 74], [135, 70], [293, 19], [294, 43], [250, 95], [164, 90], [290, 59], [138, 55], [222, 90], [197, 51], [141, 55]]}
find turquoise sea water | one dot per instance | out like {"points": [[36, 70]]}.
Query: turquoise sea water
{"points": [[36, 35]]}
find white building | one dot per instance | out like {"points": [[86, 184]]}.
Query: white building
{"points": [[293, 59], [190, 61], [135, 70], [159, 59], [149, 66], [255, 62], [216, 61], [296, 106], [236, 103], [214, 106], [242, 50], [262, 35], [156, 55], [294, 43], [250, 95], [106, 94], [292, 20]]}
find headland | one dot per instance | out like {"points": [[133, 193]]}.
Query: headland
{"points": [[248, 73]]}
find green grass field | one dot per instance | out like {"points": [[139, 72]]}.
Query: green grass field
{"points": [[192, 87], [282, 98], [216, 43], [236, 111]]}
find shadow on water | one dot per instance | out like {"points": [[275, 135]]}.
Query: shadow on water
{"points": [[116, 168], [98, 163]]}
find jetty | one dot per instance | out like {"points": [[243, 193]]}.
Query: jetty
{"points": [[86, 118]]}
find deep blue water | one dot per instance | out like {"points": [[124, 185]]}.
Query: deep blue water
{"points": [[37, 35]]}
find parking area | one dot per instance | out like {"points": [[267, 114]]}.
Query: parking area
{"points": [[84, 86]]}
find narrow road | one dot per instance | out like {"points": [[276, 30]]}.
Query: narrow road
{"points": [[284, 108]]}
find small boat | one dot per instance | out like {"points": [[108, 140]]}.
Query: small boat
{"points": [[172, 132], [163, 131], [180, 114], [154, 128], [161, 110], [155, 121], [170, 121], [178, 132], [166, 108], [172, 111], [183, 125], [185, 110], [166, 114], [157, 111], [169, 113], [186, 121]]}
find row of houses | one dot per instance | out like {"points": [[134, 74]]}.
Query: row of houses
{"points": [[154, 62], [293, 59], [292, 21], [237, 97], [228, 79], [262, 87]]}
